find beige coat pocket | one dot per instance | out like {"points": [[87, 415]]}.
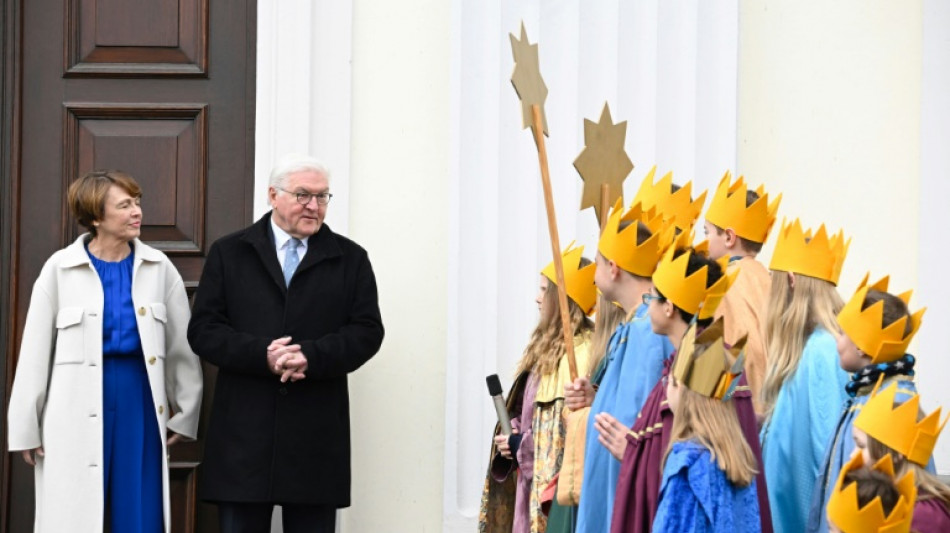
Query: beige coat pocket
{"points": [[160, 320], [70, 348]]}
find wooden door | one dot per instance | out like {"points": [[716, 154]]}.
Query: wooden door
{"points": [[162, 89]]}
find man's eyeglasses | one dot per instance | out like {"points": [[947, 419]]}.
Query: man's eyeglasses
{"points": [[303, 198], [647, 298]]}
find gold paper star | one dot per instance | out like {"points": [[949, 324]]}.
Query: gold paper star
{"points": [[526, 79], [603, 160]]}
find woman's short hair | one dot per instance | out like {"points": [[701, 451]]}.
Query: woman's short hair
{"points": [[87, 195]]}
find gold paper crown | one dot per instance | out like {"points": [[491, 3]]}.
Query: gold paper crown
{"points": [[812, 255], [620, 245], [677, 208], [897, 427], [579, 280], [689, 292], [728, 210], [845, 512], [704, 364], [865, 327]]}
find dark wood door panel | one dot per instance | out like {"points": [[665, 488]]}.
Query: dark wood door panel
{"points": [[162, 89], [164, 147], [136, 38]]}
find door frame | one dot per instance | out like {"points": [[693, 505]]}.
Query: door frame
{"points": [[11, 55]]}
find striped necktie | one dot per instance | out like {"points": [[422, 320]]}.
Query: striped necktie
{"points": [[291, 259]]}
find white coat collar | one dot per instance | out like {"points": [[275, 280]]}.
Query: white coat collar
{"points": [[75, 254]]}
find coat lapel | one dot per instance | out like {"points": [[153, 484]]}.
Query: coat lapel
{"points": [[259, 236], [320, 246]]}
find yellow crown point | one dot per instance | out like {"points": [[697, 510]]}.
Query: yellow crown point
{"points": [[579, 280], [676, 207], [728, 210], [620, 244], [689, 291], [818, 256], [845, 511], [684, 239], [865, 326], [705, 365], [896, 426]]}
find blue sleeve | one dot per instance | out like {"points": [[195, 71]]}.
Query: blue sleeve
{"points": [[826, 395], [642, 366], [679, 510]]}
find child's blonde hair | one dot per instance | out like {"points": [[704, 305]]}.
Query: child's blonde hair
{"points": [[606, 321], [546, 346], [793, 315], [714, 424]]}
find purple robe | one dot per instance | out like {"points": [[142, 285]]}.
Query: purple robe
{"points": [[525, 456], [930, 516], [638, 488]]}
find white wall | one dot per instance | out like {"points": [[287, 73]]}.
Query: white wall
{"points": [[400, 213]]}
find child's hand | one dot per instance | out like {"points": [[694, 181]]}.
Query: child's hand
{"points": [[578, 394], [612, 434], [501, 442]]}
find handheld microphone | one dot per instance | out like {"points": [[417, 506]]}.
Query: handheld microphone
{"points": [[498, 397]]}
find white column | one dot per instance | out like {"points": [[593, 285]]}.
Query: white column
{"points": [[304, 57], [933, 289]]}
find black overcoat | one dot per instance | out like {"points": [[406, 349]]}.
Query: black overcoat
{"points": [[269, 441]]}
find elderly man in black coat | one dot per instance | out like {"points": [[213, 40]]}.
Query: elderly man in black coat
{"points": [[285, 309]]}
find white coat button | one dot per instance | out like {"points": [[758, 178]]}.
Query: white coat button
{"points": [[142, 311], [161, 409], [151, 360]]}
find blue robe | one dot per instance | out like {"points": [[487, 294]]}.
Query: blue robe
{"points": [[696, 496], [840, 447], [796, 434], [633, 365]]}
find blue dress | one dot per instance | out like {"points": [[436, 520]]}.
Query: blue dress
{"points": [[840, 446], [633, 365], [795, 436], [696, 496], [132, 449]]}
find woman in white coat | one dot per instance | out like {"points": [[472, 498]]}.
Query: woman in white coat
{"points": [[105, 374]]}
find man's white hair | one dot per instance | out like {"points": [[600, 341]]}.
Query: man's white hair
{"points": [[291, 163]]}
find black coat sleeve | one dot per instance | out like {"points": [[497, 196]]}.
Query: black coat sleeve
{"points": [[343, 351], [210, 331]]}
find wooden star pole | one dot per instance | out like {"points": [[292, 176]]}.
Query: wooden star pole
{"points": [[603, 164], [530, 88], [555, 240]]}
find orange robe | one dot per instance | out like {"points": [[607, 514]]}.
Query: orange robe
{"points": [[744, 308]]}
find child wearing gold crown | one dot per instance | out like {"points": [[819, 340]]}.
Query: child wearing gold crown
{"points": [[804, 384], [533, 451], [687, 288], [901, 432], [628, 252], [737, 224], [869, 498], [876, 329], [709, 469]]}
